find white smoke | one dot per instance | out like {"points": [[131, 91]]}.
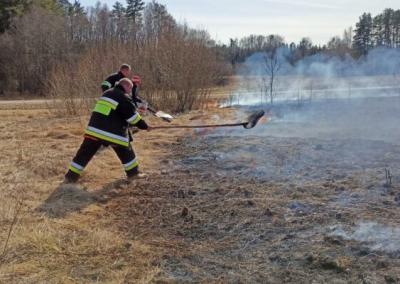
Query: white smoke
{"points": [[327, 97], [321, 76], [377, 236], [379, 61]]}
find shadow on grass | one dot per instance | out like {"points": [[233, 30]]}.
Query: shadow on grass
{"points": [[69, 198]]}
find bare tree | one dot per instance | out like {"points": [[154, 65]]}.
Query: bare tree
{"points": [[272, 65]]}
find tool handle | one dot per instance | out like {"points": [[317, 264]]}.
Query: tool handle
{"points": [[199, 126], [151, 109]]}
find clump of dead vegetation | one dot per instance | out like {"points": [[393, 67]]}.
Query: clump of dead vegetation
{"points": [[178, 73]]}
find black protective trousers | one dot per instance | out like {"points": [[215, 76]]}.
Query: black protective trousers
{"points": [[88, 149]]}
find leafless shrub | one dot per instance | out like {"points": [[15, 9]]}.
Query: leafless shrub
{"points": [[177, 73], [184, 68]]}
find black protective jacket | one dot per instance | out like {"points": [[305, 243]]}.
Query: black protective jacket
{"points": [[113, 114], [113, 79]]}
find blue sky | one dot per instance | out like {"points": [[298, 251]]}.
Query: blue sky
{"points": [[293, 19]]}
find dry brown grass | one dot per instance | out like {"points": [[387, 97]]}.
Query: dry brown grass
{"points": [[36, 149], [198, 218], [74, 238]]}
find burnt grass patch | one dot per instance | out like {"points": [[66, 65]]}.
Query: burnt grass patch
{"points": [[264, 209]]}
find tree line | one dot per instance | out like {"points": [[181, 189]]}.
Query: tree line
{"points": [[383, 30], [60, 48]]}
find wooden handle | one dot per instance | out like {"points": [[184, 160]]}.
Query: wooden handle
{"points": [[199, 126]]}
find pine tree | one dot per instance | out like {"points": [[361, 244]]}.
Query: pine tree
{"points": [[363, 34], [305, 47], [9, 9], [157, 20], [377, 33], [76, 9], [134, 11], [119, 20], [74, 13], [56, 6], [64, 3], [387, 21], [118, 10], [396, 31]]}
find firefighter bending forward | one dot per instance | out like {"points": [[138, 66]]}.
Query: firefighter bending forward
{"points": [[113, 114]]}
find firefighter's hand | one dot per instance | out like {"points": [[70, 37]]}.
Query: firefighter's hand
{"points": [[142, 108], [137, 80]]}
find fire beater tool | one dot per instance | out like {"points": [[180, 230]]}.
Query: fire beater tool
{"points": [[251, 122], [157, 113]]}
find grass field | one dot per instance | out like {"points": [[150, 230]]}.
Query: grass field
{"points": [[301, 199], [57, 234]]}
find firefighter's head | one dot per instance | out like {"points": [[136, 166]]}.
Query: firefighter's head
{"points": [[126, 84], [125, 69]]}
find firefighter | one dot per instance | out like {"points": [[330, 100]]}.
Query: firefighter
{"points": [[113, 114], [111, 80], [124, 72]]}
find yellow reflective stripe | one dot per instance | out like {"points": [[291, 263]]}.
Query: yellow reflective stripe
{"points": [[127, 165], [103, 102], [75, 170], [134, 165], [135, 119], [110, 100], [106, 138], [103, 109], [107, 84], [108, 134]]}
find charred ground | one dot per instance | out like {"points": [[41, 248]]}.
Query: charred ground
{"points": [[278, 205]]}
